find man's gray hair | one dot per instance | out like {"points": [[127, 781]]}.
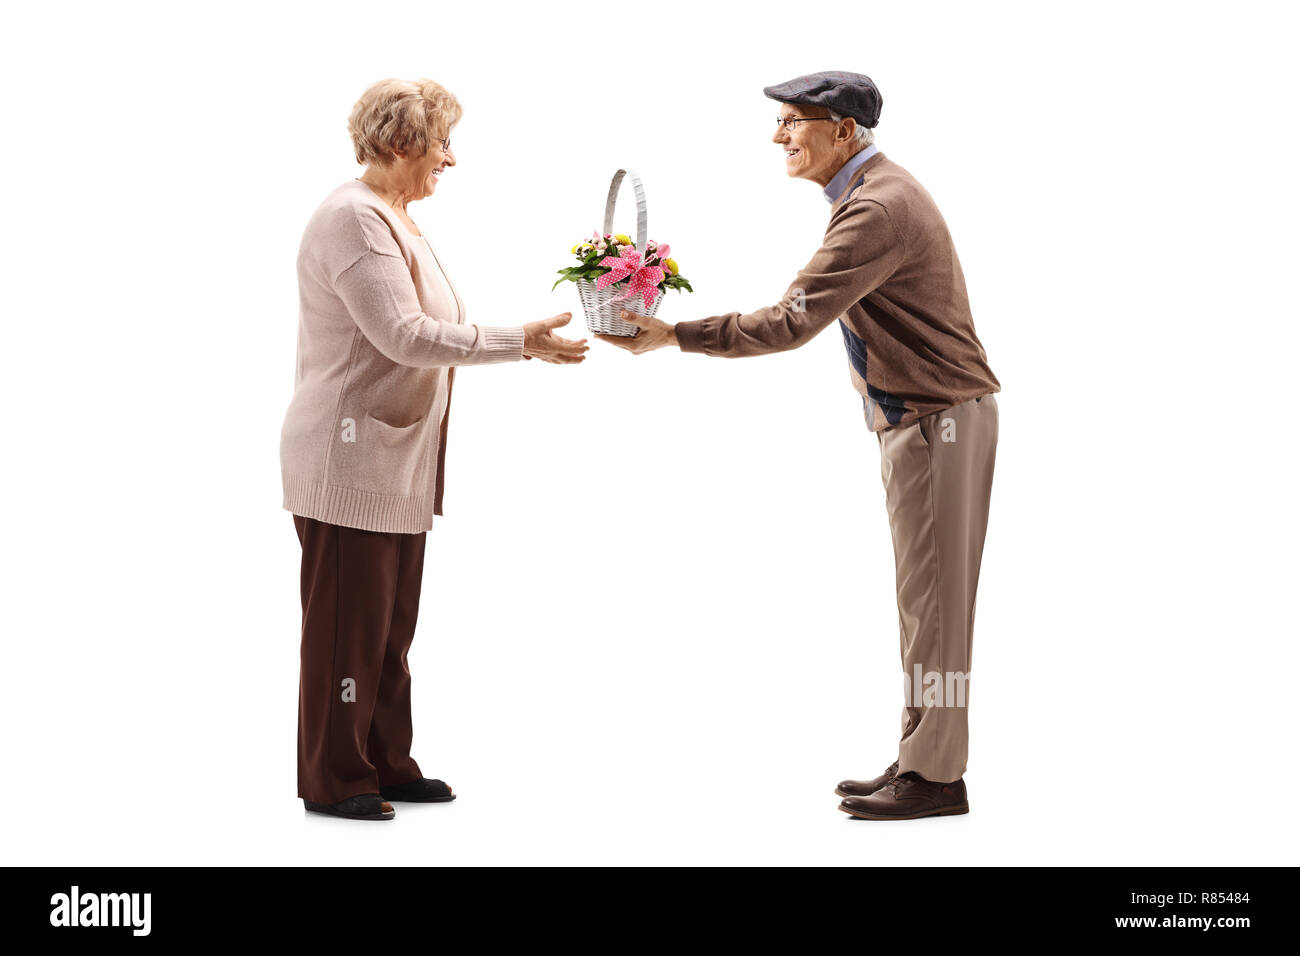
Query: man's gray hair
{"points": [[864, 135]]}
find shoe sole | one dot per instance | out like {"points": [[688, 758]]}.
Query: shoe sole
{"points": [[942, 812], [329, 811], [846, 793], [447, 799]]}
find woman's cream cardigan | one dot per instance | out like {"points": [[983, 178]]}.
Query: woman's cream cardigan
{"points": [[380, 330]]}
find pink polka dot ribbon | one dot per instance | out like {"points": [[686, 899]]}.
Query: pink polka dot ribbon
{"points": [[643, 280]]}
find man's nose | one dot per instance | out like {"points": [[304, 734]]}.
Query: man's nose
{"points": [[780, 136]]}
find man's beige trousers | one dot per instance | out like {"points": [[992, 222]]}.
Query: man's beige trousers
{"points": [[938, 473]]}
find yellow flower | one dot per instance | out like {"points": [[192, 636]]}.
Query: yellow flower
{"points": [[574, 250], [624, 240], [671, 266]]}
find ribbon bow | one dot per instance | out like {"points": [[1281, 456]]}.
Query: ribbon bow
{"points": [[644, 279]]}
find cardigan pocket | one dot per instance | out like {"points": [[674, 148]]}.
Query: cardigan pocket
{"points": [[393, 456]]}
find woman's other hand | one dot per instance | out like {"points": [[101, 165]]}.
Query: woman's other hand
{"points": [[541, 342]]}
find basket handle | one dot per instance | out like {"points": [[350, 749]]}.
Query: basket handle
{"points": [[641, 222]]}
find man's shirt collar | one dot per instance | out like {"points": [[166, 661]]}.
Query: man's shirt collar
{"points": [[841, 179]]}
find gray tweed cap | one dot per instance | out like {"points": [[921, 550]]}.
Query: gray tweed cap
{"points": [[849, 94]]}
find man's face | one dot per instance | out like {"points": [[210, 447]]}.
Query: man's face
{"points": [[813, 150]]}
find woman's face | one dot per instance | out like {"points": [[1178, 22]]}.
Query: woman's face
{"points": [[421, 173]]}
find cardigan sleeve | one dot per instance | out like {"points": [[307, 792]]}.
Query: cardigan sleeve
{"points": [[862, 248], [380, 296], [361, 263]]}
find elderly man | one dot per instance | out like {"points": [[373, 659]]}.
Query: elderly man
{"points": [[888, 271]]}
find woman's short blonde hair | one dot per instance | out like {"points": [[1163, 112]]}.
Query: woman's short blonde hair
{"points": [[405, 116]]}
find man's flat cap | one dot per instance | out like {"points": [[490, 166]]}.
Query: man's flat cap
{"points": [[849, 94]]}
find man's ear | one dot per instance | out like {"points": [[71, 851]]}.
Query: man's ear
{"points": [[849, 127]]}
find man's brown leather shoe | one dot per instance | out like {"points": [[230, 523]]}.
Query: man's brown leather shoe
{"points": [[865, 788], [907, 797]]}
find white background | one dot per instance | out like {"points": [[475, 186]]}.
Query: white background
{"points": [[658, 622]]}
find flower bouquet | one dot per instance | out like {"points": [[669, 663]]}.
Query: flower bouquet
{"points": [[614, 273]]}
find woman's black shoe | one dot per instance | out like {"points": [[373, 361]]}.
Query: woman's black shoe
{"points": [[366, 806], [423, 790]]}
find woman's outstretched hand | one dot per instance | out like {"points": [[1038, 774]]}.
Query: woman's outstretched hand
{"points": [[541, 342]]}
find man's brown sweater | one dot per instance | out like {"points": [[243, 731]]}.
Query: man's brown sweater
{"points": [[888, 271]]}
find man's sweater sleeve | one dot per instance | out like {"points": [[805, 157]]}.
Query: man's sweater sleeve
{"points": [[380, 295], [861, 250]]}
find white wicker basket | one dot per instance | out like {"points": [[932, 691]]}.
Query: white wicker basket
{"points": [[598, 305]]}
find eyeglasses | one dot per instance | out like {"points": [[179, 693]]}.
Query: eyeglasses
{"points": [[792, 122], [446, 144]]}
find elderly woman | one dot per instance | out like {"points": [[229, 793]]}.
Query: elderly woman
{"points": [[364, 441]]}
